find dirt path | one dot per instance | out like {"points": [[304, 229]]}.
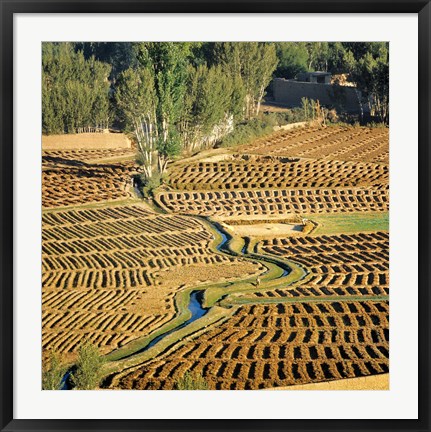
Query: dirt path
{"points": [[373, 382]]}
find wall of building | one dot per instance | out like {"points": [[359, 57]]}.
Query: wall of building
{"points": [[290, 93]]}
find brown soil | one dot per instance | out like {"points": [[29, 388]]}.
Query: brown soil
{"points": [[264, 346], [111, 274], [266, 229], [336, 143], [374, 382], [288, 202], [276, 173], [69, 181], [86, 141], [356, 264]]}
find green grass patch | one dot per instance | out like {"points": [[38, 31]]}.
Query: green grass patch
{"points": [[350, 223]]}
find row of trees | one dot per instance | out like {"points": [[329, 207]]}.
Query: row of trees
{"points": [[172, 103], [75, 90]]}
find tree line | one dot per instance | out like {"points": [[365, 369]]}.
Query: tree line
{"points": [[181, 96]]}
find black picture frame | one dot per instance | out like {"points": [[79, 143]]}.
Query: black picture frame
{"points": [[10, 7]]}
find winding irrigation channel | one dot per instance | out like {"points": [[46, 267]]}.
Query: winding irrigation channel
{"points": [[196, 303], [204, 305]]}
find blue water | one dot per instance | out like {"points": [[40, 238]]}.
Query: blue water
{"points": [[224, 239], [65, 385]]}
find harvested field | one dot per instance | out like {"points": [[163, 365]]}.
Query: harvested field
{"points": [[61, 157], [339, 265], [264, 346], [272, 202], [108, 274], [336, 143], [85, 141], [80, 183], [276, 173]]}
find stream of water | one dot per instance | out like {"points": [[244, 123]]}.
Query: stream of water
{"points": [[195, 305]]}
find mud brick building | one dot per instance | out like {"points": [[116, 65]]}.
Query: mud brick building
{"points": [[316, 86]]}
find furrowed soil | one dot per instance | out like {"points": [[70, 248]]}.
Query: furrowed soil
{"points": [[118, 271], [274, 345]]}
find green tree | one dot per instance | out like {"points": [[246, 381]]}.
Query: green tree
{"points": [[206, 106], [371, 74], [53, 372], [119, 55], [168, 62], [318, 56], [251, 62], [292, 59], [88, 367], [136, 99], [75, 91]]}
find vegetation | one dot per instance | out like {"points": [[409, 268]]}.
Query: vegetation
{"points": [[246, 132], [74, 91], [191, 382], [354, 222], [53, 372], [88, 367]]}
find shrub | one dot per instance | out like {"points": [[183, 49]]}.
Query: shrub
{"points": [[246, 132], [191, 382], [52, 374], [88, 367], [149, 185]]}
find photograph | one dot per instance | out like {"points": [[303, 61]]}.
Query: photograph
{"points": [[215, 215]]}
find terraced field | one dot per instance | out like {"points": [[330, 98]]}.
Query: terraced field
{"points": [[65, 156], [111, 274], [272, 309], [337, 143], [79, 183], [275, 201], [275, 345], [276, 173], [339, 265]]}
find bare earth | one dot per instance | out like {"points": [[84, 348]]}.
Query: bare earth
{"points": [[85, 141], [374, 382], [266, 229]]}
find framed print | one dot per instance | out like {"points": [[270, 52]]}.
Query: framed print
{"points": [[225, 199]]}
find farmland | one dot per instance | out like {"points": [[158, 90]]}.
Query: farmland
{"points": [[265, 346], [277, 307], [338, 143], [111, 274]]}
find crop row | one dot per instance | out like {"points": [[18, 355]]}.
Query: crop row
{"points": [[239, 174], [50, 157], [140, 224], [274, 345], [362, 144], [339, 265], [274, 202], [75, 185], [87, 216]]}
